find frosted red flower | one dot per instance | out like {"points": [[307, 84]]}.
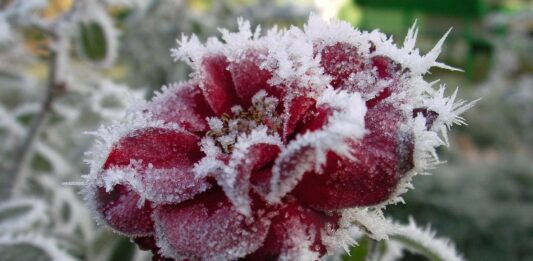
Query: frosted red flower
{"points": [[275, 147]]}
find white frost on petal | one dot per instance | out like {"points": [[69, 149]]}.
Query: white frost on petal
{"points": [[234, 179], [298, 244], [106, 138], [448, 109], [311, 148], [211, 163], [165, 248]]}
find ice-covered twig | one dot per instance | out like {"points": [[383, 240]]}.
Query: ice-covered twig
{"points": [[13, 175]]}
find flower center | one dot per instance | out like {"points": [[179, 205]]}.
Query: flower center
{"points": [[226, 129]]}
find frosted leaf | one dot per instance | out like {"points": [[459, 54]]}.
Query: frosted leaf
{"points": [[20, 214], [94, 14], [372, 221], [31, 246], [393, 251], [424, 241]]}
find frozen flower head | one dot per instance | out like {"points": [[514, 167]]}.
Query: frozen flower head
{"points": [[277, 147]]}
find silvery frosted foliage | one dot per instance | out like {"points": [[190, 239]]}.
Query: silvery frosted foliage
{"points": [[494, 166], [170, 18], [507, 92], [284, 145], [42, 218]]}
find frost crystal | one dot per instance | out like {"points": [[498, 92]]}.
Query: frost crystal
{"points": [[280, 146]]}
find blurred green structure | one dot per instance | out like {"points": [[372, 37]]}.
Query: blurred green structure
{"points": [[394, 16]]}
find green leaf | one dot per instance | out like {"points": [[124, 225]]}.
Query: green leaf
{"points": [[93, 41], [124, 251], [23, 252]]}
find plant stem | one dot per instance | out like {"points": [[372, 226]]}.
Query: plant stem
{"points": [[13, 176], [373, 251]]}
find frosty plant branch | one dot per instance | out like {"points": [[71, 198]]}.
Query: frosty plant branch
{"points": [[14, 174], [279, 147]]}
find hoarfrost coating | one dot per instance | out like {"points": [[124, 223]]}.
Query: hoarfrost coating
{"points": [[278, 146]]}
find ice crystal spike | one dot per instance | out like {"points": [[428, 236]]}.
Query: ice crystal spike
{"points": [[277, 146]]}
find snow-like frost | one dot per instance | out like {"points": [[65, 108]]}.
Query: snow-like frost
{"points": [[427, 238], [237, 190], [311, 148]]}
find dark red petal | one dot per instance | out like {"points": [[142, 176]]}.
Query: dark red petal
{"points": [[293, 220], [299, 108], [146, 243], [382, 95], [260, 181], [383, 156], [120, 211], [257, 157], [385, 66], [184, 105], [217, 85], [320, 119], [340, 61], [248, 77], [165, 159], [208, 227]]}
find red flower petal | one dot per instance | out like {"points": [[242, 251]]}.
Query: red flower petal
{"points": [[321, 118], [120, 211], [382, 95], [383, 157], [292, 224], [165, 158], [184, 105], [299, 108], [217, 85], [340, 61], [257, 156], [208, 227], [248, 77], [385, 66]]}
